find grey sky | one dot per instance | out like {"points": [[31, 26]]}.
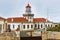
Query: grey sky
{"points": [[15, 8]]}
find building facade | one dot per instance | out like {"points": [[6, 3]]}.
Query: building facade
{"points": [[28, 22], [25, 23], [3, 25]]}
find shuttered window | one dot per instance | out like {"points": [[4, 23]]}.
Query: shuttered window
{"points": [[27, 26], [31, 26], [19, 27], [23, 26], [13, 26]]}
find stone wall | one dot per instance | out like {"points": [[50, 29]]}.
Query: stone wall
{"points": [[50, 35], [9, 36]]}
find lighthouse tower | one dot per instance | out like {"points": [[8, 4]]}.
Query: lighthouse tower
{"points": [[28, 15]]}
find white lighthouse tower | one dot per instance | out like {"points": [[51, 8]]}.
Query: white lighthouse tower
{"points": [[28, 15]]}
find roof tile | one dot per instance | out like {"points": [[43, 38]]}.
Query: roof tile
{"points": [[21, 19], [17, 19]]}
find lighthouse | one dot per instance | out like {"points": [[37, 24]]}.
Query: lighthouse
{"points": [[28, 14]]}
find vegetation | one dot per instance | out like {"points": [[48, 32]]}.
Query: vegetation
{"points": [[56, 28]]}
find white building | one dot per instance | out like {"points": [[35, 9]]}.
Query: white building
{"points": [[2, 24], [28, 22]]}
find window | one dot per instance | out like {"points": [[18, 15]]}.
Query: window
{"points": [[13, 26], [19, 27], [45, 25], [48, 25], [41, 25], [56, 25], [31, 26], [38, 26], [8, 26], [9, 30], [51, 25], [23, 26], [27, 26], [35, 25]]}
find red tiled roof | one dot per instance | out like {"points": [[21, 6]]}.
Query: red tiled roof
{"points": [[1, 17], [21, 19], [28, 6], [17, 19], [40, 20]]}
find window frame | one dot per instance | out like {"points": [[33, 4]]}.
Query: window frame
{"points": [[23, 26], [31, 26], [19, 27], [13, 26], [28, 26], [41, 25], [9, 25], [38, 26], [35, 25]]}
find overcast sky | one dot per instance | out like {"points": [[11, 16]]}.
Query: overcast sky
{"points": [[41, 8]]}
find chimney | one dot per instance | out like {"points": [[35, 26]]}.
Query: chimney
{"points": [[12, 19]]}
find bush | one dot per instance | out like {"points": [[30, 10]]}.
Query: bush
{"points": [[56, 28]]}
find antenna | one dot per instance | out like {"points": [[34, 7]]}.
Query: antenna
{"points": [[47, 15]]}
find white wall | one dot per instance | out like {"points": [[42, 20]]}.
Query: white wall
{"points": [[2, 22], [15, 25], [49, 24], [26, 26], [30, 19], [44, 25], [21, 25]]}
